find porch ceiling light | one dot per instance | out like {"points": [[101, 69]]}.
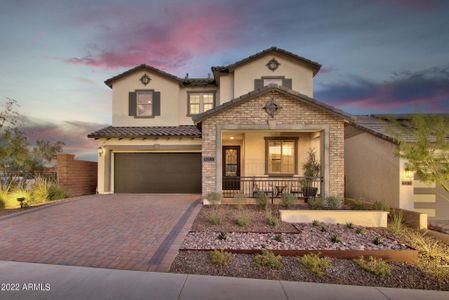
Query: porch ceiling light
{"points": [[231, 137]]}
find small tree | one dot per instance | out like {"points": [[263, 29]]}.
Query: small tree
{"points": [[424, 143]]}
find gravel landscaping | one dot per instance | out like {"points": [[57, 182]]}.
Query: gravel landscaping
{"points": [[341, 271], [228, 214], [308, 237]]}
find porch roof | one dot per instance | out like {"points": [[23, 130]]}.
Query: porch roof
{"points": [[147, 131], [267, 89]]}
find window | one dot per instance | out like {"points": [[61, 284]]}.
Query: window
{"points": [[281, 156], [267, 81], [200, 102], [144, 103]]}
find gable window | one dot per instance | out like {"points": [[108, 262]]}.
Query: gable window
{"points": [[144, 103], [268, 81], [281, 155], [200, 102]]}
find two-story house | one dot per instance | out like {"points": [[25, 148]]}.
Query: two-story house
{"points": [[250, 126]]}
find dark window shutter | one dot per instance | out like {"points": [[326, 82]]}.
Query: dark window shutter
{"points": [[287, 83], [258, 84], [156, 103], [132, 104]]}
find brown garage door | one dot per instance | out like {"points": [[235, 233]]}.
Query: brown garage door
{"points": [[157, 173]]}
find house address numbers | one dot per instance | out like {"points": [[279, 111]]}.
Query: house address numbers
{"points": [[208, 158]]}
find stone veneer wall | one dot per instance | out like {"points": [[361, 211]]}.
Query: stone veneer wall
{"points": [[77, 177], [293, 113]]}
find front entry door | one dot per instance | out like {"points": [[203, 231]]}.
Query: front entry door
{"points": [[231, 168]]}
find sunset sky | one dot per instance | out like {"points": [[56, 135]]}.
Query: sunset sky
{"points": [[378, 56]]}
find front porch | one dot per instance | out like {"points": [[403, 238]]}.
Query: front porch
{"points": [[272, 162]]}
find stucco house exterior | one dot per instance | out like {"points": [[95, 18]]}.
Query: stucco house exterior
{"points": [[249, 126]]}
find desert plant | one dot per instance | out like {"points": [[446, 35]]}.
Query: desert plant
{"points": [[287, 200], [222, 236], [314, 203], [272, 220], [381, 205], [40, 191], [261, 200], [358, 204], [360, 231], [396, 220], [323, 229], [316, 223], [56, 192], [378, 241], [350, 225], [214, 198], [215, 219], [336, 238], [315, 264], [241, 221], [332, 202], [221, 258], [376, 266], [268, 260], [239, 199], [278, 238]]}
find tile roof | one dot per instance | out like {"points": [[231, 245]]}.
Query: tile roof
{"points": [[266, 89], [316, 66], [147, 131], [380, 124]]}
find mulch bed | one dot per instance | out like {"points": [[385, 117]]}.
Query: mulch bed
{"points": [[228, 214], [341, 272]]}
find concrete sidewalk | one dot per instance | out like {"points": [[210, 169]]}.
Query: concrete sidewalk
{"points": [[67, 282]]}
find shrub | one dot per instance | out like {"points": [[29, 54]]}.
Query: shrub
{"points": [[272, 221], [268, 260], [358, 205], [313, 203], [396, 220], [316, 223], [336, 238], [239, 199], [376, 266], [221, 258], [381, 205], [315, 264], [360, 231], [278, 238], [378, 241], [56, 192], [333, 202], [214, 198], [287, 200], [39, 191], [350, 225], [4, 201], [261, 200], [241, 221], [215, 219], [222, 236]]}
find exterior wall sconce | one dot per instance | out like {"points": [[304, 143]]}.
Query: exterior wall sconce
{"points": [[100, 151], [406, 177]]}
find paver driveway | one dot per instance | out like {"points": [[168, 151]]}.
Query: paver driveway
{"points": [[133, 232]]}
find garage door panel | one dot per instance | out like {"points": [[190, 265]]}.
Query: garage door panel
{"points": [[157, 172]]}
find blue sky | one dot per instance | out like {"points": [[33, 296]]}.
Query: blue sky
{"points": [[378, 56]]}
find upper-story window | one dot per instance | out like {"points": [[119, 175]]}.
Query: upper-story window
{"points": [[200, 102], [268, 81], [144, 103]]}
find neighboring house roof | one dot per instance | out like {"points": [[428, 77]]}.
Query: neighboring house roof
{"points": [[271, 88], [143, 67], [380, 124], [147, 131], [314, 65]]}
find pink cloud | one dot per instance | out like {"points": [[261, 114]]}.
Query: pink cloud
{"points": [[167, 41]]}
